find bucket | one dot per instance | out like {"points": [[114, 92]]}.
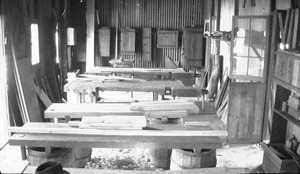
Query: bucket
{"points": [[68, 157], [190, 159], [160, 158]]}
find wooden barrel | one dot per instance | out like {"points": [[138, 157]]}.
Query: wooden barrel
{"points": [[68, 157], [190, 159], [161, 157]]}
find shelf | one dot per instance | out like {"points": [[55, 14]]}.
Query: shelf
{"points": [[288, 54], [288, 117], [286, 85]]}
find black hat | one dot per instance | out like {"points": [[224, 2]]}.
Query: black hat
{"points": [[50, 167]]}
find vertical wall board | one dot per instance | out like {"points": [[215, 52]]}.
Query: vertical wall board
{"points": [[104, 41], [296, 30], [147, 44], [227, 11], [127, 41], [245, 112], [90, 34]]}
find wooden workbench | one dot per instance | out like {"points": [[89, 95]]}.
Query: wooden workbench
{"points": [[188, 78], [170, 136]]}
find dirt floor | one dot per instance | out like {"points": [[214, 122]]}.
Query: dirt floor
{"points": [[233, 156]]}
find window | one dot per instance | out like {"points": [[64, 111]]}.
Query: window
{"points": [[35, 51], [249, 48], [56, 44]]}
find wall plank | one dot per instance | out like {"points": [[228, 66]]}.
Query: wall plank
{"points": [[245, 110]]}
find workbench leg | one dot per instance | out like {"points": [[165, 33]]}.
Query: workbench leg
{"points": [[155, 96], [23, 153]]}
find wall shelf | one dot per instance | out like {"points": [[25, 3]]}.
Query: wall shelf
{"points": [[286, 79], [288, 117]]}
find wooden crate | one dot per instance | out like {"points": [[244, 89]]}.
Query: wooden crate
{"points": [[274, 164]]}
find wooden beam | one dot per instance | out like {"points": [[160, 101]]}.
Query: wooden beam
{"points": [[90, 35], [215, 170], [96, 141], [64, 130]]}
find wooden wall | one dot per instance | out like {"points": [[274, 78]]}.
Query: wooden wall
{"points": [[19, 15], [138, 14]]}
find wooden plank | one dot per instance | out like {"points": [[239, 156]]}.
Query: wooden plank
{"points": [[286, 26], [113, 122], [245, 112], [47, 88], [271, 72], [79, 110], [90, 34], [143, 86], [168, 114], [28, 87], [76, 141], [144, 106], [66, 130], [43, 96], [291, 28], [280, 22], [215, 170], [296, 37]]}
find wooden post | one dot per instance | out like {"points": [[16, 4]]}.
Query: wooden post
{"points": [[90, 34]]}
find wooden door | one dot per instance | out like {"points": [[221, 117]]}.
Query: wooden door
{"points": [[248, 70], [147, 44], [193, 46], [127, 41], [104, 41]]}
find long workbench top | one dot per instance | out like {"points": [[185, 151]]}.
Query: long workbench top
{"points": [[142, 86], [205, 135]]}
